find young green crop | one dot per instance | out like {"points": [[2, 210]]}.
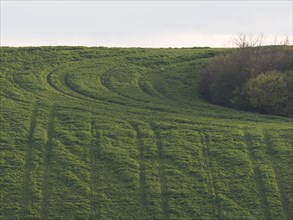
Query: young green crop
{"points": [[113, 133]]}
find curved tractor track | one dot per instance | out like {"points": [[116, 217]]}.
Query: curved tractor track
{"points": [[68, 90], [109, 138]]}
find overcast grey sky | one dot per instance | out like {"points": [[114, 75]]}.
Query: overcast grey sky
{"points": [[141, 23]]}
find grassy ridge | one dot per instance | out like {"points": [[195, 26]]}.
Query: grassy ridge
{"points": [[109, 133]]}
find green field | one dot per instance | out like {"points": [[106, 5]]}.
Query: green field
{"points": [[110, 133]]}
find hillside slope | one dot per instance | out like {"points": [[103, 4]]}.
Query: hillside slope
{"points": [[109, 133]]}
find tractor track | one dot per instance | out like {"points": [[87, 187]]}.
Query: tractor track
{"points": [[212, 187], [27, 197], [48, 163], [279, 182], [257, 177], [142, 168], [162, 178]]}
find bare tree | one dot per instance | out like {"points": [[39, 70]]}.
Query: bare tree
{"points": [[243, 40]]}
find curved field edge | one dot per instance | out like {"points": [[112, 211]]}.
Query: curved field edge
{"points": [[114, 133]]}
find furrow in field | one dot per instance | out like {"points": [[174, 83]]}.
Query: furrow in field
{"points": [[51, 84], [13, 99], [162, 178], [257, 176], [210, 175], [78, 94], [84, 97], [142, 178], [27, 199], [280, 187], [125, 103], [94, 151], [47, 169], [92, 99], [149, 90], [106, 82]]}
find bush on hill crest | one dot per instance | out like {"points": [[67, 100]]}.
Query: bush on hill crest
{"points": [[251, 78]]}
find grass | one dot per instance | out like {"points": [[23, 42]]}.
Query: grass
{"points": [[112, 133]]}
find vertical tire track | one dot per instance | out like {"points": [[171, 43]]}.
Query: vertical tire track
{"points": [[162, 178], [142, 178], [257, 177], [47, 170], [27, 199], [210, 176], [280, 187], [94, 152]]}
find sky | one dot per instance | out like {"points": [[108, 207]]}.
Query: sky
{"points": [[142, 23]]}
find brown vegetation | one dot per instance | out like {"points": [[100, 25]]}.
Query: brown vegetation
{"points": [[254, 77]]}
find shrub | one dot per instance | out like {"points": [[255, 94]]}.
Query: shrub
{"points": [[271, 92], [224, 80]]}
